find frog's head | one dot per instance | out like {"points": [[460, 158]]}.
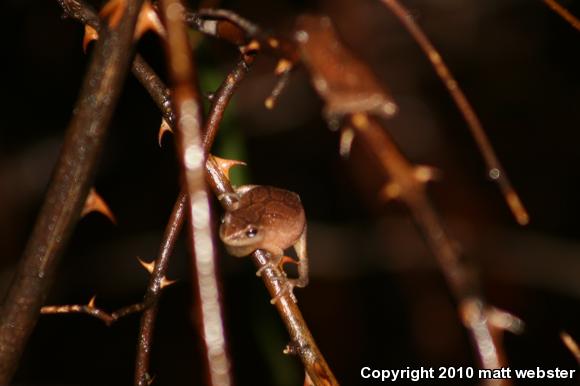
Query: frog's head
{"points": [[240, 235]]}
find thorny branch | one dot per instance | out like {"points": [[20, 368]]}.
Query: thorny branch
{"points": [[495, 169], [408, 178], [172, 232], [350, 91], [67, 191], [274, 279], [408, 184], [84, 13]]}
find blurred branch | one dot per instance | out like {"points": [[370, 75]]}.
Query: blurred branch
{"points": [[351, 93], [274, 279], [571, 345], [67, 190], [188, 111], [84, 13], [495, 169], [408, 184], [564, 13]]}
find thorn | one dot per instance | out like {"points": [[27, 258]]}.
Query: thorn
{"points": [[391, 191], [426, 173], [226, 164], [505, 321], [291, 348], [346, 139], [283, 79], [149, 21], [283, 66], [269, 102], [91, 303], [517, 208], [166, 282], [114, 9], [251, 47], [148, 266], [162, 130], [95, 203], [360, 120], [274, 43], [91, 34]]}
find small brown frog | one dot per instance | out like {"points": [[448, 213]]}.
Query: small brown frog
{"points": [[270, 219]]}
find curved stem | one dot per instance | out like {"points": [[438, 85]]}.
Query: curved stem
{"points": [[495, 169]]}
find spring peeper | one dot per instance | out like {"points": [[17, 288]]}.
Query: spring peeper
{"points": [[345, 83], [270, 219]]}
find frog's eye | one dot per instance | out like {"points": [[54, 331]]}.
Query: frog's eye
{"points": [[251, 232]]}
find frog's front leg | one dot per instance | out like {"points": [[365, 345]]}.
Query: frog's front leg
{"points": [[301, 252], [302, 280]]}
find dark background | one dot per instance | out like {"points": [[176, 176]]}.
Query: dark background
{"points": [[376, 297]]}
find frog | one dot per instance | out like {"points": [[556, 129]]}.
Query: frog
{"points": [[271, 219]]}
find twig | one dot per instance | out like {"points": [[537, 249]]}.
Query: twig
{"points": [[91, 310], [189, 144], [314, 362], [564, 13], [571, 345], [247, 36], [329, 64], [84, 13], [67, 191], [222, 98], [154, 290], [495, 169]]}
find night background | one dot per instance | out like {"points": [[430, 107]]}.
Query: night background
{"points": [[376, 297]]}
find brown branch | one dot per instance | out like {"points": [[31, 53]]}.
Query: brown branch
{"points": [[231, 27], [564, 13], [187, 106], [408, 184], [154, 291], [495, 169], [275, 281], [339, 77], [84, 13], [91, 310], [67, 191], [221, 99]]}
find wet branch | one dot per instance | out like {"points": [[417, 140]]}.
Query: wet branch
{"points": [[67, 190]]}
